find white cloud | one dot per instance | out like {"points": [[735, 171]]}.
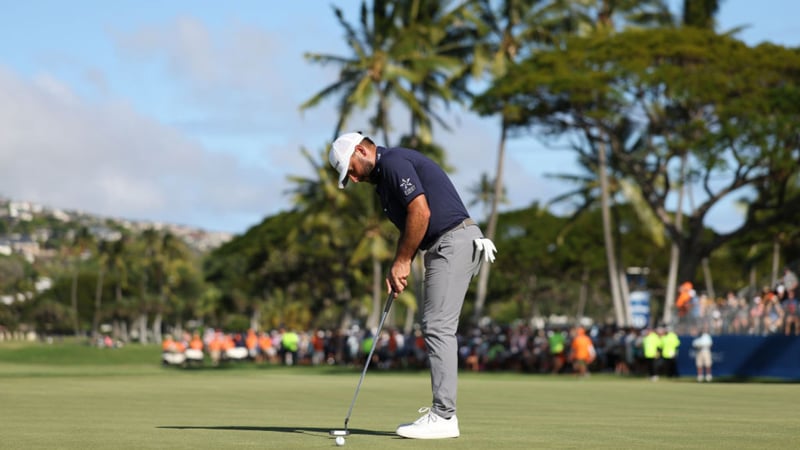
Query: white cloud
{"points": [[108, 159], [209, 135], [237, 78]]}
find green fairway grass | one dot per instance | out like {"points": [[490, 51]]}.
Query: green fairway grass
{"points": [[73, 396]]}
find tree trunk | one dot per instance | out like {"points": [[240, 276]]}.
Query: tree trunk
{"points": [[583, 294], [672, 278], [675, 252], [344, 297], [74, 299], [255, 317], [776, 259], [491, 227], [625, 292], [709, 280], [143, 328], [383, 113], [377, 279], [98, 303], [611, 258], [178, 330], [157, 327], [533, 283], [123, 331]]}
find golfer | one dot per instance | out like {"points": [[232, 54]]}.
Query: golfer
{"points": [[421, 201]]}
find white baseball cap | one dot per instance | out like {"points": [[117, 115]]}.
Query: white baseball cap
{"points": [[341, 151]]}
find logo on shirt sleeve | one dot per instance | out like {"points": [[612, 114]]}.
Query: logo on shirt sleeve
{"points": [[407, 186]]}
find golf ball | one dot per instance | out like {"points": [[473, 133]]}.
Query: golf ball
{"points": [[340, 441]]}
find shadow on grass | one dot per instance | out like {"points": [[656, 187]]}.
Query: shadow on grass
{"points": [[301, 430]]}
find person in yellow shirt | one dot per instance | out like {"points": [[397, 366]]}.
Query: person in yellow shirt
{"points": [[669, 352], [290, 342], [651, 344]]}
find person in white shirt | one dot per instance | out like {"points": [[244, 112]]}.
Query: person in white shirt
{"points": [[702, 346]]}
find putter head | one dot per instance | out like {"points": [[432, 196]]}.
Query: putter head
{"points": [[339, 433]]}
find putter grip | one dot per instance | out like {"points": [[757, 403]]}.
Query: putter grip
{"points": [[389, 302]]}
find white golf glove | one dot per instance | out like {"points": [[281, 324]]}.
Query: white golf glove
{"points": [[485, 246]]}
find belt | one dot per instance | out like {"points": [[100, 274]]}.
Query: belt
{"points": [[467, 222], [461, 226]]}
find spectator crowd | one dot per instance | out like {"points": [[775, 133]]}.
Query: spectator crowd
{"points": [[557, 349], [768, 311]]}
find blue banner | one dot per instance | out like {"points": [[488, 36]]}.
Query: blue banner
{"points": [[774, 356], [640, 308]]}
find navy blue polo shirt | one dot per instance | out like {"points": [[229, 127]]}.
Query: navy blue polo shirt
{"points": [[401, 175]]}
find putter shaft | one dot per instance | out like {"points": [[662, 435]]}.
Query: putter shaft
{"points": [[369, 357]]}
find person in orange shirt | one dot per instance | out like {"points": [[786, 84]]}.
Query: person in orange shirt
{"points": [[171, 351], [684, 301], [227, 342], [196, 343], [265, 350], [318, 344], [194, 352], [180, 347], [251, 342], [168, 345], [582, 352], [215, 347]]}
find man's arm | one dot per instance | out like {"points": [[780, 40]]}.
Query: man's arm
{"points": [[417, 218]]}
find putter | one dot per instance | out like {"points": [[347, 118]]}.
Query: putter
{"points": [[386, 308]]}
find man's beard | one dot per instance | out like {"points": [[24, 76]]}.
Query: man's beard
{"points": [[373, 174]]}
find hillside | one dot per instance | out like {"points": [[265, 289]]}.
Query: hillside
{"points": [[38, 231]]}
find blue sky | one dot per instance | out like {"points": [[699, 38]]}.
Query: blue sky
{"points": [[187, 111]]}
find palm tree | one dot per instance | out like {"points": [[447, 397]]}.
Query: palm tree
{"points": [[700, 13], [78, 252], [378, 69], [110, 260], [150, 266], [118, 264], [605, 16], [177, 275], [406, 50], [482, 193], [520, 27], [102, 262], [334, 217], [508, 33], [444, 35]]}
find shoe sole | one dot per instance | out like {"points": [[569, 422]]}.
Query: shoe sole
{"points": [[443, 436]]}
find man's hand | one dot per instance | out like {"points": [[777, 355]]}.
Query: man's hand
{"points": [[417, 218], [485, 246], [398, 276]]}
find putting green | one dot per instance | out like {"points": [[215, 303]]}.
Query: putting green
{"points": [[142, 405]]}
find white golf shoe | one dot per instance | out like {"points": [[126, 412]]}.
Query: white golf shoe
{"points": [[430, 426]]}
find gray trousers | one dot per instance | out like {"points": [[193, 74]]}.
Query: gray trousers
{"points": [[450, 264]]}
